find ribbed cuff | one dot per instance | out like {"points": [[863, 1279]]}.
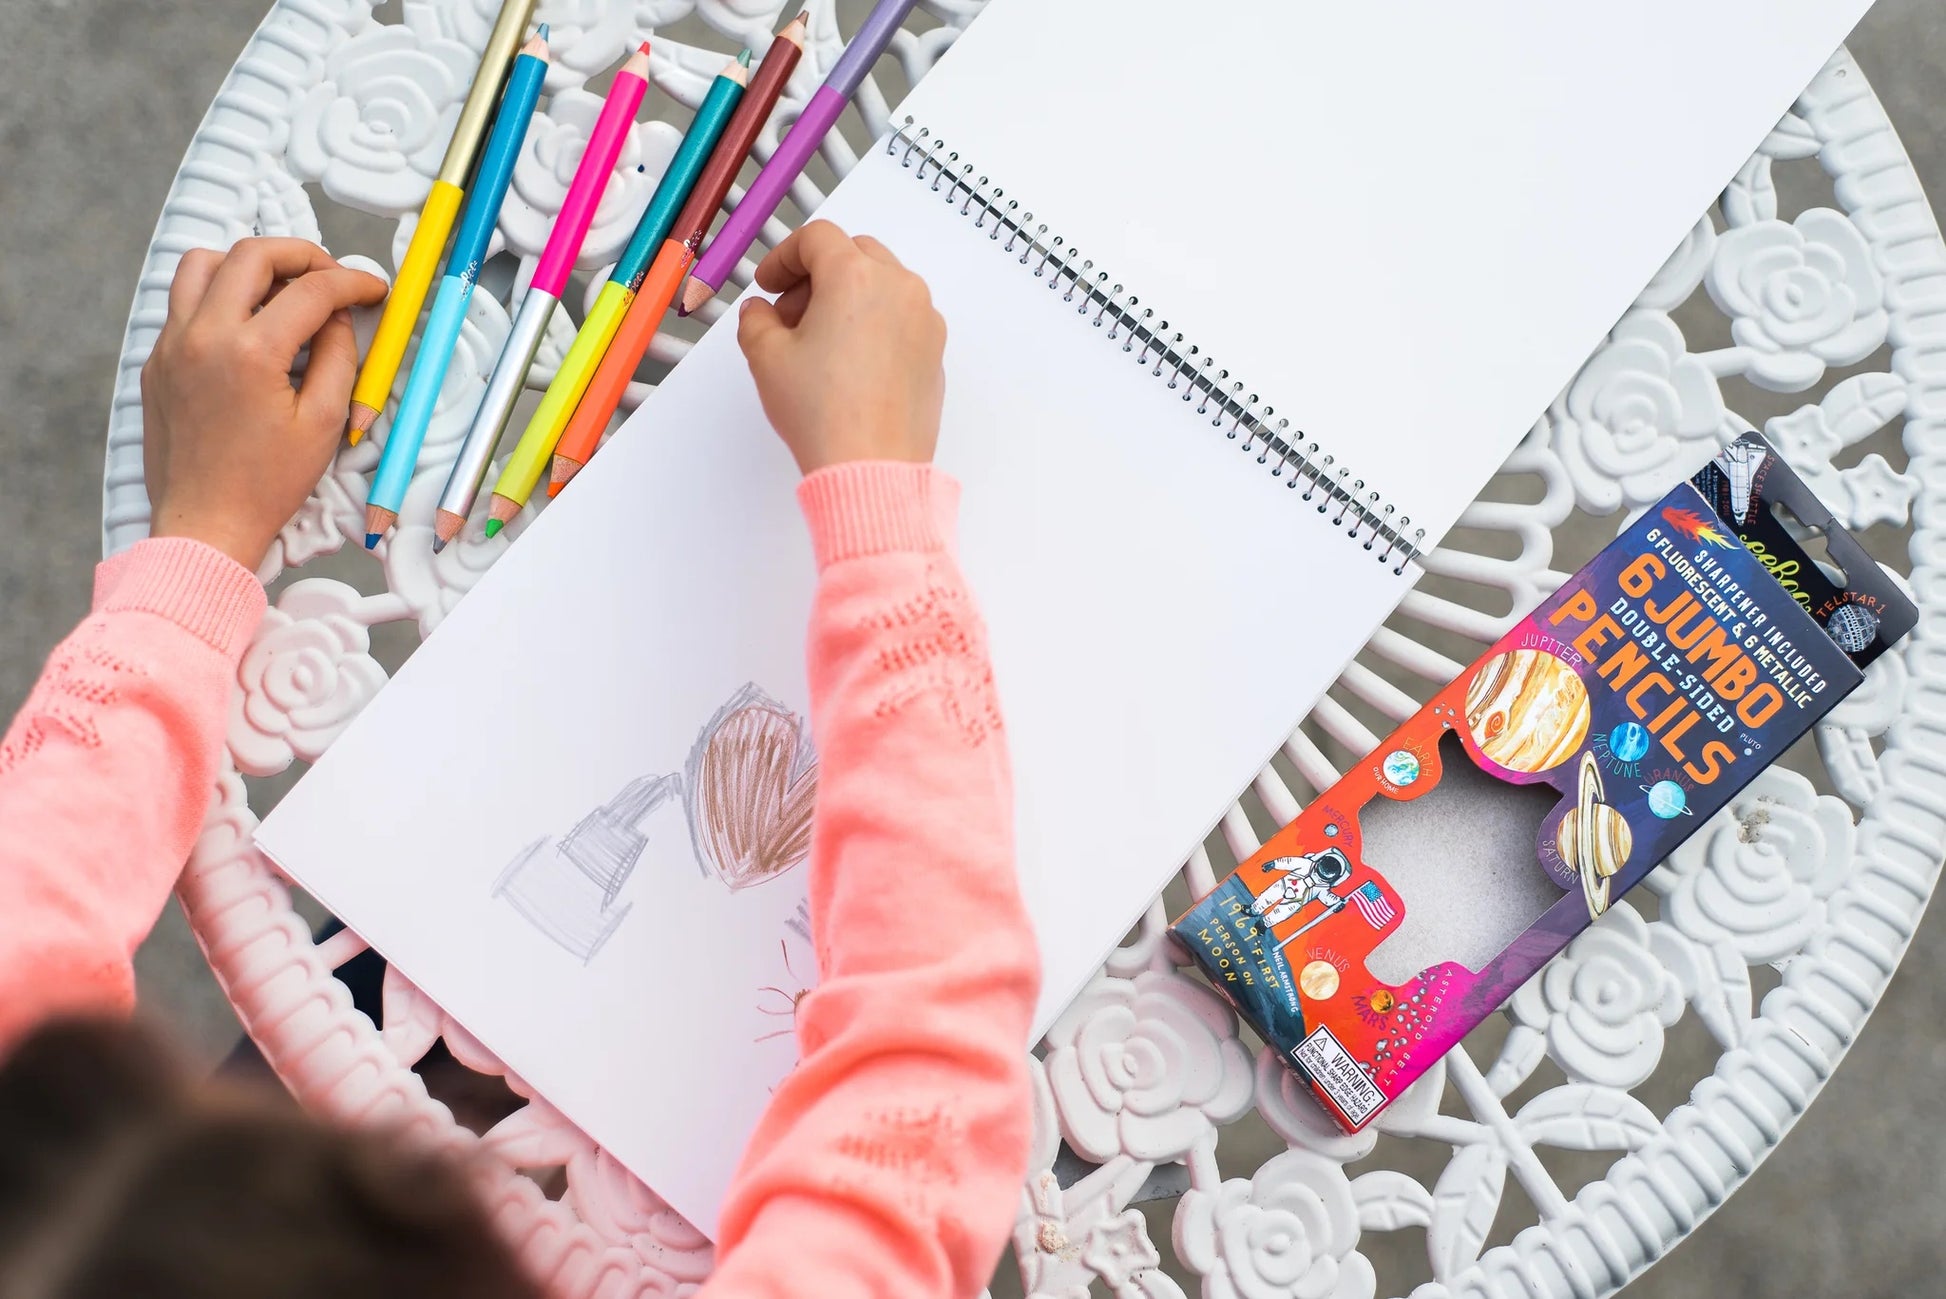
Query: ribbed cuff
{"points": [[200, 589], [876, 507]]}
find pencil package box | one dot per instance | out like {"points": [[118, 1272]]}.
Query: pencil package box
{"points": [[1641, 696]]}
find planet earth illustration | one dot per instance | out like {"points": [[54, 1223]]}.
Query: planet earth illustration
{"points": [[1401, 767], [1628, 742], [1527, 710], [1667, 799]]}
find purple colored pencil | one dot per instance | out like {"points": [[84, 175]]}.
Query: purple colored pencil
{"points": [[799, 143]]}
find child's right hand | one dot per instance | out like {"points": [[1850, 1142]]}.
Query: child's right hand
{"points": [[230, 448], [848, 359]]}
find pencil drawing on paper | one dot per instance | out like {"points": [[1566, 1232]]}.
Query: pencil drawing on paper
{"points": [[780, 1001], [747, 792]]}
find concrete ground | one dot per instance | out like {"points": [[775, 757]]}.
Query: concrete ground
{"points": [[101, 97]]}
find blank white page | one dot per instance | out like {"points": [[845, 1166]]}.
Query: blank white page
{"points": [[1161, 611], [1403, 225]]}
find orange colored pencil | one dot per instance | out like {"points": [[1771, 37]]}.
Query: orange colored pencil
{"points": [[625, 351], [678, 254]]}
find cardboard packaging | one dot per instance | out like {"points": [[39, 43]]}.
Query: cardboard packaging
{"points": [[1664, 675]]}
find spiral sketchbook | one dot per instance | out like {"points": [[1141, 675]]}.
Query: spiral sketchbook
{"points": [[1245, 301]]}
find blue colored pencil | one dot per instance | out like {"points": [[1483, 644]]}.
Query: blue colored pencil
{"points": [[408, 432]]}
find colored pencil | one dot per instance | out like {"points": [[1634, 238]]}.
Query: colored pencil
{"points": [[408, 431], [524, 466], [652, 298], [543, 295], [784, 167], [436, 219]]}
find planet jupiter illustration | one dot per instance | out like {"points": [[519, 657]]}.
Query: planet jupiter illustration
{"points": [[1527, 710]]}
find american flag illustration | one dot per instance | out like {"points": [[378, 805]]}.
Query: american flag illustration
{"points": [[1372, 905]]}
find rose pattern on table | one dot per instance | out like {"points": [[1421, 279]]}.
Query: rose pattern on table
{"points": [[1289, 1232], [1845, 735], [305, 676], [432, 585], [1800, 296], [1681, 275], [1148, 1065], [1603, 1002], [374, 132], [1642, 414], [1757, 877], [1119, 1251], [586, 37], [546, 166]]}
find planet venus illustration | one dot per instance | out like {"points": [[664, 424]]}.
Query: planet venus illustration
{"points": [[1527, 710], [1319, 980]]}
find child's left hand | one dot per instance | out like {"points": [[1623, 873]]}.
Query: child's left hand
{"points": [[231, 448]]}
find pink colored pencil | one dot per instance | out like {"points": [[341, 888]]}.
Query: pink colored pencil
{"points": [[537, 308], [584, 194]]}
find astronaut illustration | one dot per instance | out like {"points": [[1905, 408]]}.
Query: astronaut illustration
{"points": [[1306, 879]]}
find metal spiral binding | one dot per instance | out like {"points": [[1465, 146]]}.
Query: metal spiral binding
{"points": [[1225, 402]]}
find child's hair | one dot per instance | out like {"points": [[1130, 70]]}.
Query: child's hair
{"points": [[118, 1178]]}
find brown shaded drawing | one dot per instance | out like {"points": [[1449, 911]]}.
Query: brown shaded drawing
{"points": [[750, 788]]}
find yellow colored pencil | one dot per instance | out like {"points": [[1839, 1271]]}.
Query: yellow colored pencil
{"points": [[436, 220]]}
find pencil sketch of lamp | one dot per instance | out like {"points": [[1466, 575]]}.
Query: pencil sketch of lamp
{"points": [[747, 793], [567, 889]]}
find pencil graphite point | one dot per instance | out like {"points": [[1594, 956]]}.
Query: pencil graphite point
{"points": [[694, 294], [500, 512], [561, 474], [743, 59], [362, 419], [492, 528], [445, 526], [378, 521]]}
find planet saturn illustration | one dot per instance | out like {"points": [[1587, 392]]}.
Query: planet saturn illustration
{"points": [[1593, 838], [1527, 710]]}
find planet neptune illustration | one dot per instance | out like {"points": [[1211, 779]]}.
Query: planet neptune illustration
{"points": [[1628, 742], [1667, 799], [1402, 768]]}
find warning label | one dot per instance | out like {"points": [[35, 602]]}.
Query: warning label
{"points": [[1333, 1069]]}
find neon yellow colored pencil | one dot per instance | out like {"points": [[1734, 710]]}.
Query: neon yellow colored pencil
{"points": [[524, 467], [436, 220]]}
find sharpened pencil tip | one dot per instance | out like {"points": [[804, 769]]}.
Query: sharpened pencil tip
{"points": [[694, 294], [437, 545], [542, 31], [371, 540], [744, 58], [643, 48], [493, 527]]}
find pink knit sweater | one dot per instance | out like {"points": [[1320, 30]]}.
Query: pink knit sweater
{"points": [[889, 1163]]}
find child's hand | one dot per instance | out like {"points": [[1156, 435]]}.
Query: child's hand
{"points": [[847, 361], [230, 448]]}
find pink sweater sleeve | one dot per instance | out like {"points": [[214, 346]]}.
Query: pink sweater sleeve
{"points": [[890, 1161], [107, 772]]}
